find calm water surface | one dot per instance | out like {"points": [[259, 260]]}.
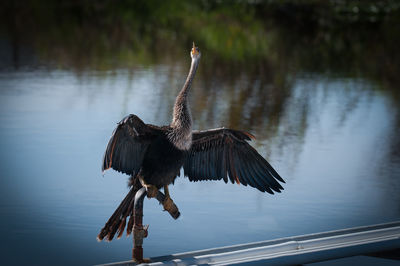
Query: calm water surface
{"points": [[334, 139]]}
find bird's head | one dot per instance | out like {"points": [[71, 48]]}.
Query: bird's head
{"points": [[195, 53]]}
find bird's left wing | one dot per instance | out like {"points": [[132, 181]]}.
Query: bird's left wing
{"points": [[128, 144], [224, 153]]}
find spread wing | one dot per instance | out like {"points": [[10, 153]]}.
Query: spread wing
{"points": [[128, 144], [224, 153]]}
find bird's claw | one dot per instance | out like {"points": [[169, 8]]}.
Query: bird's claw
{"points": [[170, 207], [168, 203], [151, 191]]}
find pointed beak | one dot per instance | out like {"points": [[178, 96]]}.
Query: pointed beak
{"points": [[194, 50]]}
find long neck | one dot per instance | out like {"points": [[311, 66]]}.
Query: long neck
{"points": [[181, 134]]}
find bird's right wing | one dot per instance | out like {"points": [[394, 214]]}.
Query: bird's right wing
{"points": [[224, 153], [128, 144]]}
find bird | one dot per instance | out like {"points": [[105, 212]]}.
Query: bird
{"points": [[153, 155]]}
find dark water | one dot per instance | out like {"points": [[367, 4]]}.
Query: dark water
{"points": [[330, 128]]}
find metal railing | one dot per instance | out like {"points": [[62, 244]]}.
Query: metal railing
{"points": [[293, 250]]}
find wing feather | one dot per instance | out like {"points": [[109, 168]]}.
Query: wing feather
{"points": [[128, 144], [226, 154], [252, 174], [259, 171], [241, 171]]}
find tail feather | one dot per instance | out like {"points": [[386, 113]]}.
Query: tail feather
{"points": [[117, 221], [130, 225], [121, 228]]}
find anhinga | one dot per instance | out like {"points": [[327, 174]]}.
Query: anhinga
{"points": [[153, 156]]}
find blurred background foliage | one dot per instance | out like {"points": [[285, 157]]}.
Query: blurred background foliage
{"points": [[337, 36]]}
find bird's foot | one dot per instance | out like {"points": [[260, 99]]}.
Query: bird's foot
{"points": [[151, 191], [168, 203], [170, 207]]}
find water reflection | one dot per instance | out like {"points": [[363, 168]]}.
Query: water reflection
{"points": [[331, 138]]}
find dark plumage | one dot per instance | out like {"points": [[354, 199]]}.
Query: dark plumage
{"points": [[153, 156]]}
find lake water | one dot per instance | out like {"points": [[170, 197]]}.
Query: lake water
{"points": [[333, 138]]}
